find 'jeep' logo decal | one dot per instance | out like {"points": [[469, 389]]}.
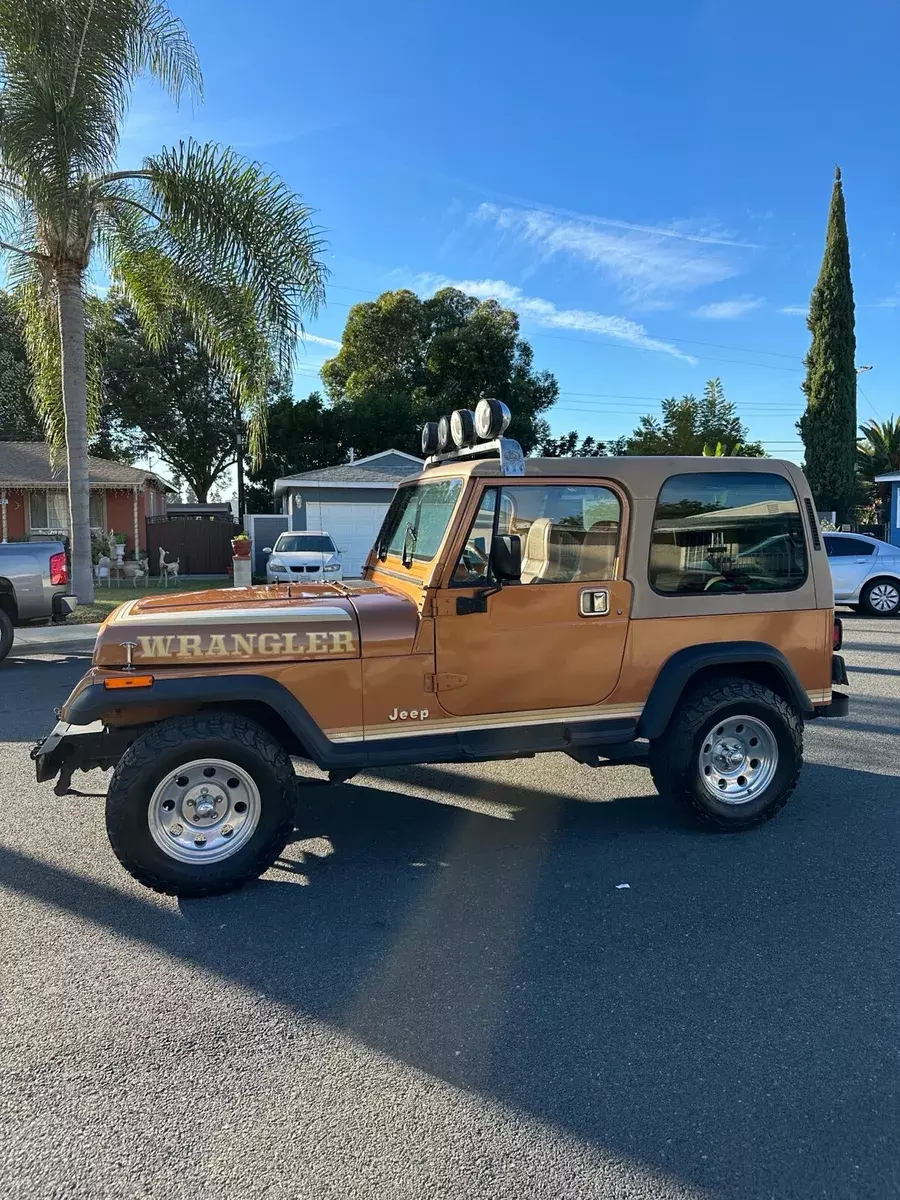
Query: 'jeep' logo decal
{"points": [[246, 645], [414, 714]]}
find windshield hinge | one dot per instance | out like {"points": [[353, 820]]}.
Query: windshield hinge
{"points": [[445, 682]]}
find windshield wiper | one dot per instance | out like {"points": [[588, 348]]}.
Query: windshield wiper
{"points": [[409, 545]]}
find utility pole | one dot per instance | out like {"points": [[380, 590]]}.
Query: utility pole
{"points": [[239, 446]]}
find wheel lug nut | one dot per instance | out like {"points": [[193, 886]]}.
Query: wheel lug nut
{"points": [[191, 803], [176, 830], [200, 840], [227, 830]]}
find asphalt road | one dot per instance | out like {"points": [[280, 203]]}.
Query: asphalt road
{"points": [[443, 993]]}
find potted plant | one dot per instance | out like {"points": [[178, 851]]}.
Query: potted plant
{"points": [[119, 544], [240, 546]]}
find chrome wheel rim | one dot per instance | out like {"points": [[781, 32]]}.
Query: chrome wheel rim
{"points": [[884, 597], [204, 811], [738, 759]]}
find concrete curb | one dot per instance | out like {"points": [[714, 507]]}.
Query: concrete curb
{"points": [[54, 639]]}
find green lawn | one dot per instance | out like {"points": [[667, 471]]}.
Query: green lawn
{"points": [[106, 599]]}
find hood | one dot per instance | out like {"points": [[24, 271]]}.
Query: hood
{"points": [[276, 623], [306, 556]]}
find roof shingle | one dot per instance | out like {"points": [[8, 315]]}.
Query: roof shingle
{"points": [[26, 464]]}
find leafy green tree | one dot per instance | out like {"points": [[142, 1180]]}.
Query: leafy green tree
{"points": [[689, 425], [173, 403], [303, 435], [570, 445], [17, 418], [194, 228], [404, 361], [828, 426]]}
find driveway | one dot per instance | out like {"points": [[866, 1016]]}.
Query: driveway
{"points": [[442, 991]]}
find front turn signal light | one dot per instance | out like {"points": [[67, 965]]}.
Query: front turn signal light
{"points": [[128, 681]]}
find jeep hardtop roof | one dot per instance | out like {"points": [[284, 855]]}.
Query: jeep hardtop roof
{"points": [[642, 476]]}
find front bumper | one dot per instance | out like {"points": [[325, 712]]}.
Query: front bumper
{"points": [[77, 747]]}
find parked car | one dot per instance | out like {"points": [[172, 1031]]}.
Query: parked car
{"points": [[34, 583], [311, 555], [866, 573], [509, 607]]}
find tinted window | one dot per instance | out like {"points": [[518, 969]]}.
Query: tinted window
{"points": [[418, 518], [294, 543], [840, 547], [727, 532]]}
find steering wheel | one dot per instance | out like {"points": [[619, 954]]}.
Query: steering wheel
{"points": [[712, 582]]}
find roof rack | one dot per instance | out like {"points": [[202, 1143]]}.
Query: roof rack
{"points": [[512, 460]]}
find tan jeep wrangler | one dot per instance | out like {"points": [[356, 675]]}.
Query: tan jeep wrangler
{"points": [[677, 611]]}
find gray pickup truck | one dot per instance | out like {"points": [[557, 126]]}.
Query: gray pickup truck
{"points": [[34, 583]]}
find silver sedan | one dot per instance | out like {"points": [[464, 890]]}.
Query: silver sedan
{"points": [[866, 573]]}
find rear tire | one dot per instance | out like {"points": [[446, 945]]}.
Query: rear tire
{"points": [[732, 752], [7, 634], [881, 598], [218, 762]]}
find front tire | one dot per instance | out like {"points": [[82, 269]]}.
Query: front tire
{"points": [[7, 634], [201, 805], [732, 753], [881, 598]]}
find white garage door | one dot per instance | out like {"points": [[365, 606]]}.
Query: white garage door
{"points": [[353, 527]]}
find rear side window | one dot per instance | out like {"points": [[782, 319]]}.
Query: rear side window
{"points": [[728, 532], [841, 547]]}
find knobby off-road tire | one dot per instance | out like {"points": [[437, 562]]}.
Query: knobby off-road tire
{"points": [[7, 634], [155, 795], [705, 737]]}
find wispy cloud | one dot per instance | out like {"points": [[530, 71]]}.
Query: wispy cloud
{"points": [[549, 316], [321, 341], [643, 260], [794, 310], [729, 310], [892, 301]]}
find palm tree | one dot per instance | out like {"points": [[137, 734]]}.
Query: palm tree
{"points": [[878, 453], [195, 227]]}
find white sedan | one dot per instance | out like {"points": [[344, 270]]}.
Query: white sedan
{"points": [[311, 556], [866, 573]]}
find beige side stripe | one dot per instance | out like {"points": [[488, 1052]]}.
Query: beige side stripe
{"points": [[267, 616]]}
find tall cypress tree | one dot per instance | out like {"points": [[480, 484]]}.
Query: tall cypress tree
{"points": [[828, 427]]}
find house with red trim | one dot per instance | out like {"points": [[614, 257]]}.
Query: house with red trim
{"points": [[34, 500]]}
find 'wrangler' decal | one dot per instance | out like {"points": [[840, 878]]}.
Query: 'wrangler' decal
{"points": [[246, 645]]}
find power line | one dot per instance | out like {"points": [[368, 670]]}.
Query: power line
{"points": [[867, 400]]}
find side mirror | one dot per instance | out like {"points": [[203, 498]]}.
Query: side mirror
{"points": [[506, 558], [267, 549]]}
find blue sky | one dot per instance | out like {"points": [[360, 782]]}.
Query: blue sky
{"points": [[647, 183]]}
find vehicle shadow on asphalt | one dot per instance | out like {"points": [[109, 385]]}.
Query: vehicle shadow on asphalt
{"points": [[728, 1019], [29, 690]]}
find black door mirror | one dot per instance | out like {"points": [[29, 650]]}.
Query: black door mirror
{"points": [[506, 558]]}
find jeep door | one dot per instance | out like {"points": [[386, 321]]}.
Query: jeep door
{"points": [[555, 640]]}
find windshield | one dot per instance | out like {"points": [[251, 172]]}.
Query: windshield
{"points": [[417, 519], [292, 543]]}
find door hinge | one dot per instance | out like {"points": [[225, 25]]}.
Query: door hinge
{"points": [[444, 682]]}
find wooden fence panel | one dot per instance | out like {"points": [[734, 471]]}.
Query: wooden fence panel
{"points": [[201, 547]]}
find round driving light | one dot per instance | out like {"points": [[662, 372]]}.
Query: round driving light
{"points": [[462, 427], [445, 440], [429, 437], [491, 418]]}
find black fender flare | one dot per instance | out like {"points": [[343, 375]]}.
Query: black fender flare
{"points": [[93, 702], [678, 671]]}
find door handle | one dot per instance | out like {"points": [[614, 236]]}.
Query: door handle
{"points": [[594, 602]]}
